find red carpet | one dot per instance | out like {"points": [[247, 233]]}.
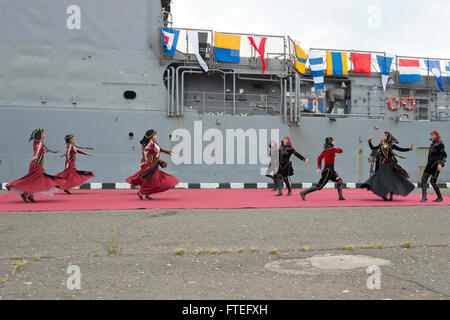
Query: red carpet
{"points": [[86, 200]]}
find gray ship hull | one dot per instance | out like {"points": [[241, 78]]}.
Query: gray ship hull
{"points": [[117, 156]]}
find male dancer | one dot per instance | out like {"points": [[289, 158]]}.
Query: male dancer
{"points": [[436, 161], [328, 173]]}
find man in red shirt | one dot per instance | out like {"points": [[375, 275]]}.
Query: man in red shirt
{"points": [[328, 173]]}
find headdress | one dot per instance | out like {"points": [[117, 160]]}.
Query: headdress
{"points": [[36, 135], [289, 143], [68, 138], [328, 143], [147, 136], [438, 137], [390, 138]]}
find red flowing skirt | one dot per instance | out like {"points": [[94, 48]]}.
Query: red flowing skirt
{"points": [[36, 182], [158, 182], [73, 177]]}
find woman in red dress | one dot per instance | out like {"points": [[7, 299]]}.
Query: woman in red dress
{"points": [[73, 177], [36, 182], [150, 179]]}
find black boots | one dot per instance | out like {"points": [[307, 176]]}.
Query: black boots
{"points": [[24, 198], [288, 185], [280, 187], [424, 192], [67, 191], [339, 189], [438, 193], [314, 188], [275, 182], [304, 193]]}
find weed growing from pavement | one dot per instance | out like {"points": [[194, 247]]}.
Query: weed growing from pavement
{"points": [[37, 258], [180, 252], [380, 245], [231, 251], [199, 252], [19, 266], [214, 251], [16, 258], [306, 249], [407, 245], [350, 247], [112, 250], [273, 251], [240, 250], [254, 250]]}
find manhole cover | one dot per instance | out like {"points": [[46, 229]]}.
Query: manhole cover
{"points": [[324, 264]]}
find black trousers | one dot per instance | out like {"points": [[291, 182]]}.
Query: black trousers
{"points": [[431, 170], [328, 174]]}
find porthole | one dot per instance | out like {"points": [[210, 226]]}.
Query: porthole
{"points": [[129, 95]]}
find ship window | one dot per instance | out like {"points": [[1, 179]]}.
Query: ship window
{"points": [[404, 92], [422, 102], [422, 92], [129, 95]]}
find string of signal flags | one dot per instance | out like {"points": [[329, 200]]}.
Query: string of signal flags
{"points": [[227, 49]]}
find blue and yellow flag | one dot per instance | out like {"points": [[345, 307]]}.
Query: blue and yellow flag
{"points": [[301, 58], [227, 47], [337, 63]]}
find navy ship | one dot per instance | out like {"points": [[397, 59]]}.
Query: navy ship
{"points": [[96, 69]]}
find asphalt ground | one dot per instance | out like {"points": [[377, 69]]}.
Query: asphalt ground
{"points": [[167, 254]]}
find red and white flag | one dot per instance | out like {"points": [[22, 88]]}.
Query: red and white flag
{"points": [[259, 43]]}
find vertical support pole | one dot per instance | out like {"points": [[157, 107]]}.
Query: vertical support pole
{"points": [[281, 97], [234, 93], [291, 99], [285, 100]]}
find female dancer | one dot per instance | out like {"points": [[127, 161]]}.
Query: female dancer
{"points": [[36, 182], [328, 173], [436, 161], [286, 170], [73, 177], [150, 179], [272, 170], [390, 178]]}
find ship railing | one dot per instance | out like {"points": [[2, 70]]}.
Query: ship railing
{"points": [[220, 103], [276, 50]]}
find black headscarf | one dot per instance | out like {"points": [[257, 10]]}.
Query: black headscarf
{"points": [[36, 135], [148, 135], [328, 143], [68, 137], [390, 139]]}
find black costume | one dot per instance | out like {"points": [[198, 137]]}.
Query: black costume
{"points": [[390, 177], [436, 156], [328, 173], [285, 169]]}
